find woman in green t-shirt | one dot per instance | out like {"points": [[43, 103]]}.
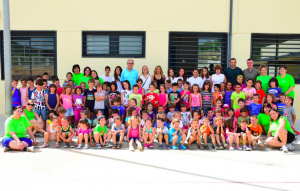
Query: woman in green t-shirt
{"points": [[264, 118], [35, 120], [280, 133], [87, 75], [286, 82], [15, 132], [264, 78], [76, 74]]}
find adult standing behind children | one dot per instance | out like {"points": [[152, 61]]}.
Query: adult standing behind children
{"points": [[76, 74], [217, 78], [250, 72], [130, 73], [233, 71], [106, 77], [264, 78], [286, 82], [158, 76], [146, 78], [87, 75]]}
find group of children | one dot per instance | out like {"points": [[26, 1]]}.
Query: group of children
{"points": [[178, 113]]}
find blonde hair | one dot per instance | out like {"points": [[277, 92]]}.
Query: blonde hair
{"points": [[175, 121], [161, 114], [195, 120], [205, 119], [147, 69], [262, 66], [134, 117], [177, 112], [219, 118], [161, 71], [66, 87]]}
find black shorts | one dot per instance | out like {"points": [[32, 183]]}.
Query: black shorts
{"points": [[290, 137]]}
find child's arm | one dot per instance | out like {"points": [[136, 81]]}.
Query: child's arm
{"points": [[231, 103], [73, 133], [218, 130], [194, 132], [46, 102], [13, 91], [60, 98], [229, 133], [128, 131], [109, 102], [84, 100], [153, 134], [183, 94], [167, 100], [222, 130], [294, 119], [200, 97], [126, 124], [57, 103], [190, 101], [122, 101], [122, 117], [91, 139], [97, 98], [214, 121], [211, 101]]}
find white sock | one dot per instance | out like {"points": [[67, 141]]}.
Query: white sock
{"points": [[79, 145]]}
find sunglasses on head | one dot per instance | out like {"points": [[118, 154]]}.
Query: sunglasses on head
{"points": [[30, 104]]}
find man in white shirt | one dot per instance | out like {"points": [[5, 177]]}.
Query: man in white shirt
{"points": [[106, 77]]}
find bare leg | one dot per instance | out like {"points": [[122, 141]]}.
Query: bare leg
{"points": [[204, 137], [175, 138], [86, 138], [97, 137], [183, 139], [191, 140], [218, 139], [80, 137]]}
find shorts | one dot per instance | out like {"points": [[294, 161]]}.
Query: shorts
{"points": [[178, 140], [164, 137], [290, 137], [7, 140], [233, 140], [42, 113], [204, 111], [208, 139], [91, 109], [194, 108], [69, 112], [24, 107], [135, 139]]}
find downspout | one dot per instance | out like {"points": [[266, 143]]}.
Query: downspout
{"points": [[230, 34]]}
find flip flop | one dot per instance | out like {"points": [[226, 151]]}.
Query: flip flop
{"points": [[114, 146], [45, 145], [57, 145]]}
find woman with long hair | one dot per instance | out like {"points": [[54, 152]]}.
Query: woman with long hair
{"points": [[158, 76], [117, 76]]}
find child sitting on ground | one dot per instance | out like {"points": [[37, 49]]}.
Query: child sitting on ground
{"points": [[244, 135], [176, 135], [243, 116], [231, 135], [84, 133], [118, 130], [52, 133], [100, 132], [256, 131], [194, 134], [206, 133], [220, 133], [66, 132], [162, 133], [148, 134], [134, 132]]}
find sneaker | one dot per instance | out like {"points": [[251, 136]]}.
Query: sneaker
{"points": [[30, 149], [174, 147], [98, 146], [86, 146], [221, 147], [285, 149], [290, 146], [79, 146], [5, 149], [225, 146], [151, 146], [109, 145], [139, 146], [189, 147], [65, 145], [182, 147], [168, 147], [231, 148], [200, 147], [106, 144], [206, 147], [238, 148], [245, 148], [250, 147], [215, 147], [131, 148], [71, 145], [160, 147], [145, 146]]}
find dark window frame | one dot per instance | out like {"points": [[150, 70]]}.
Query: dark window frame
{"points": [[26, 32], [275, 64], [114, 53], [202, 34]]}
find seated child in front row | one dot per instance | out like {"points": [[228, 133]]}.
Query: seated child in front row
{"points": [[118, 130], [161, 115], [66, 132], [176, 135], [84, 133], [206, 133], [162, 133], [52, 133], [220, 132], [194, 133], [111, 121], [244, 134], [100, 132], [256, 131], [148, 134], [243, 116], [134, 133], [231, 135]]}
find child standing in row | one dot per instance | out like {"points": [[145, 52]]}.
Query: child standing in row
{"points": [[207, 97], [249, 91]]}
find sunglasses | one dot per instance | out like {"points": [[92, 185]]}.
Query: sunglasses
{"points": [[30, 104]]}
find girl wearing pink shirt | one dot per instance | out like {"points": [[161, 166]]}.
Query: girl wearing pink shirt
{"points": [[249, 91], [67, 101], [185, 94], [84, 133]]}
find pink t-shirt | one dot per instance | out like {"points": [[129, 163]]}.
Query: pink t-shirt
{"points": [[162, 99], [185, 99], [249, 92], [232, 131], [134, 132], [87, 131], [195, 102], [67, 101]]}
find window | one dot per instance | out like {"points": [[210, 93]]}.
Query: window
{"points": [[32, 54], [196, 50], [275, 50], [113, 44]]}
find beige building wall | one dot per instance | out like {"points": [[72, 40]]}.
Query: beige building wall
{"points": [[157, 18]]}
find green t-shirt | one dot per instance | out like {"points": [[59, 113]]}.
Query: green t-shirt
{"points": [[235, 97], [138, 98], [86, 80], [240, 119], [18, 126], [285, 83], [101, 81], [264, 120], [76, 78], [100, 129], [275, 125], [29, 114], [155, 91], [264, 82]]}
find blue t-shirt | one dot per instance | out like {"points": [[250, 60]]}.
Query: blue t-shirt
{"points": [[120, 108], [165, 124], [172, 131], [227, 98], [254, 109], [173, 96], [131, 76], [275, 92], [127, 118], [280, 106]]}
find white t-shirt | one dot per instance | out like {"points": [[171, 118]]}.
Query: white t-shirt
{"points": [[118, 83], [172, 79], [146, 82], [204, 79], [164, 130], [217, 79], [185, 118], [177, 78], [180, 125], [197, 81], [106, 79], [126, 94]]}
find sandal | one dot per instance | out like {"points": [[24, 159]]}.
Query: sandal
{"points": [[57, 145], [114, 146], [45, 145], [118, 146]]}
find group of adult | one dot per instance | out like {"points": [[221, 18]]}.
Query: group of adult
{"points": [[280, 129]]}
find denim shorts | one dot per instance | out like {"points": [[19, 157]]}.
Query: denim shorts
{"points": [[7, 140], [69, 112], [42, 113], [194, 108]]}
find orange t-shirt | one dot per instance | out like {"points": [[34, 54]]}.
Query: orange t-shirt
{"points": [[255, 130], [207, 130], [216, 96]]}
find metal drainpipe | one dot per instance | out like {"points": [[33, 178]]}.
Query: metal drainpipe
{"points": [[230, 34]]}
